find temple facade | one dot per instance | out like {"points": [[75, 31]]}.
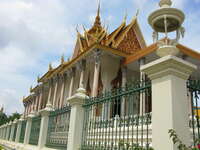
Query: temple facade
{"points": [[97, 65]]}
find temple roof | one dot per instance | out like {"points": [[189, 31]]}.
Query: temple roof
{"points": [[124, 40]]}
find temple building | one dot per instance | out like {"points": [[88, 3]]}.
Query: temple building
{"points": [[101, 61], [116, 92]]}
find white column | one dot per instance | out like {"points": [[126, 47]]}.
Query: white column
{"points": [[40, 99], [169, 100], [55, 92], [28, 129], [37, 101], [123, 103], [142, 95], [8, 131], [72, 74], [19, 126], [76, 119], [5, 130], [44, 127], [82, 68], [49, 103], [96, 75], [62, 91], [12, 131]]}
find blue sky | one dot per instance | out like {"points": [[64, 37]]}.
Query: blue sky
{"points": [[36, 32]]}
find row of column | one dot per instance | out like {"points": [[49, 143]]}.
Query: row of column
{"points": [[38, 98], [9, 131]]}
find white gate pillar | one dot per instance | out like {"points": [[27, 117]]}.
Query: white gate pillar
{"points": [[28, 129], [76, 119], [8, 131], [169, 100], [19, 127], [12, 130], [44, 126]]}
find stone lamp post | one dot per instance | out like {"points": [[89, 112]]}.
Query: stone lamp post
{"points": [[168, 75], [165, 20]]}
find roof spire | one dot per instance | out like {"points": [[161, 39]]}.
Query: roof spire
{"points": [[98, 10], [31, 88], [97, 22], [50, 67], [77, 31], [38, 78], [62, 59], [84, 28]]}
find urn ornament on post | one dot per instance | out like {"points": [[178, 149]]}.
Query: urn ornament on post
{"points": [[166, 20]]}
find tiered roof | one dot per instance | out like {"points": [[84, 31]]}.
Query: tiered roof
{"points": [[123, 41]]}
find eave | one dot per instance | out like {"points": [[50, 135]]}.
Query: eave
{"points": [[28, 98], [94, 46], [152, 48]]}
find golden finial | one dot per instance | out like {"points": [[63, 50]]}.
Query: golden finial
{"points": [[84, 28], [62, 59], [137, 13], [99, 7], [50, 67], [125, 17], [78, 33], [97, 22], [38, 78], [31, 88]]}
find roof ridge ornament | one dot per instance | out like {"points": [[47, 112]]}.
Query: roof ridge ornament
{"points": [[62, 59], [50, 67], [38, 78], [125, 17], [137, 12]]}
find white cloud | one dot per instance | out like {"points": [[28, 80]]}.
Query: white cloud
{"points": [[30, 31]]}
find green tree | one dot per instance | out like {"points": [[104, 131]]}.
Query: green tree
{"points": [[13, 117], [3, 118]]}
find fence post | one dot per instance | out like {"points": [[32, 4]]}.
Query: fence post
{"points": [[28, 129], [4, 132], [8, 131], [76, 119], [169, 100], [44, 126], [19, 126], [12, 130]]}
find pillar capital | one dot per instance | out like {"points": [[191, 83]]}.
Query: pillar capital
{"points": [[78, 98], [124, 69], [97, 56], [142, 61], [81, 65], [168, 65], [46, 111], [71, 72]]}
